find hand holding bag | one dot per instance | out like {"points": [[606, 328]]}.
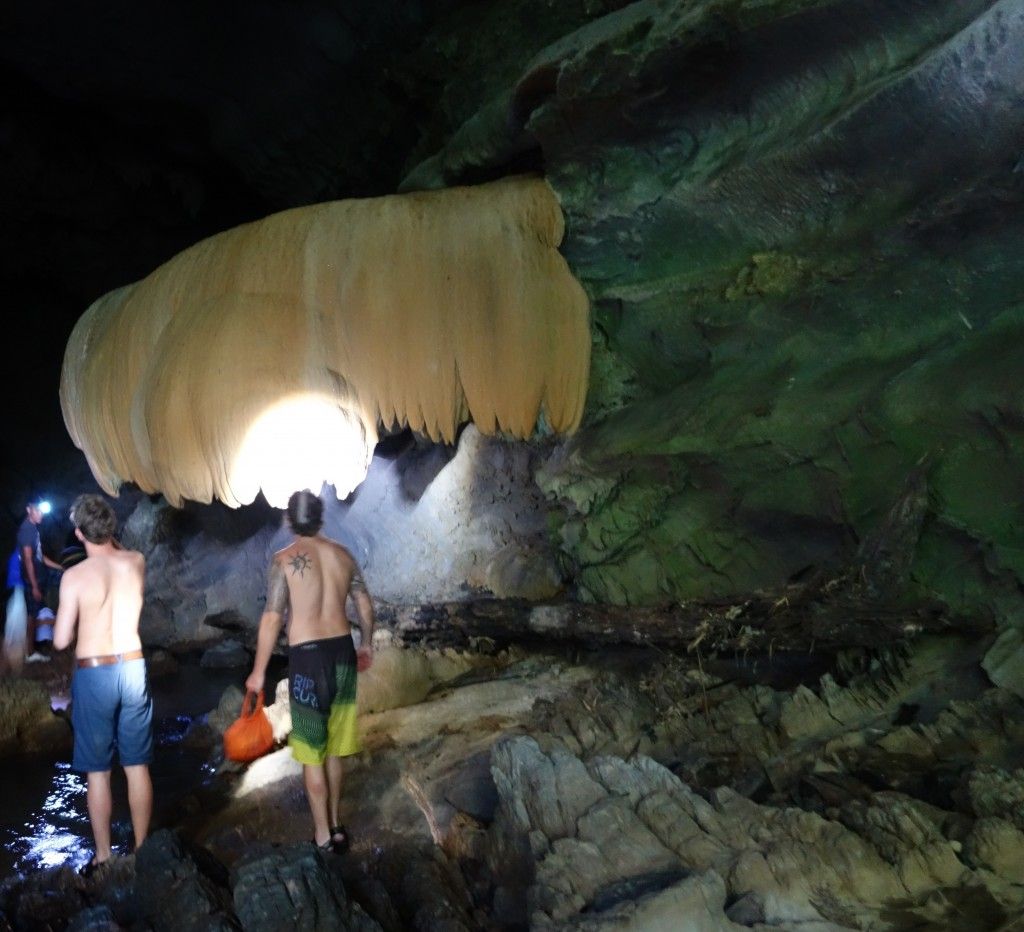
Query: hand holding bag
{"points": [[250, 736]]}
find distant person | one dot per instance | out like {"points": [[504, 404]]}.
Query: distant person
{"points": [[15, 618], [312, 578], [33, 566], [111, 706]]}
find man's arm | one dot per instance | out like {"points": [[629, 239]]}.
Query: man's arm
{"points": [[28, 564], [52, 564], [364, 609], [67, 614], [270, 626]]}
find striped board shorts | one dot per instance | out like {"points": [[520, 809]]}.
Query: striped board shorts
{"points": [[322, 697]]}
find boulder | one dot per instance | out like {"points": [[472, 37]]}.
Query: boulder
{"points": [[180, 887], [228, 709], [28, 724], [227, 655], [1004, 662], [295, 887]]}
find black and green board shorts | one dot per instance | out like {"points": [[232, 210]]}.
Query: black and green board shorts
{"points": [[322, 691]]}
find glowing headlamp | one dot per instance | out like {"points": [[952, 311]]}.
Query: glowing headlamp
{"points": [[44, 507]]}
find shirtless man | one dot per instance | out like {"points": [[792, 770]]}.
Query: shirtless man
{"points": [[313, 578], [109, 691]]}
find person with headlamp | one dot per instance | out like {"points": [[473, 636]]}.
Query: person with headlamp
{"points": [[33, 562]]}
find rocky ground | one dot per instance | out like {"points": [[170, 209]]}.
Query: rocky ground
{"points": [[627, 789]]}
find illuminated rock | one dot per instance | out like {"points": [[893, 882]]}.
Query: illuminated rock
{"points": [[267, 356]]}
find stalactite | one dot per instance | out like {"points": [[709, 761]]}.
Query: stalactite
{"points": [[268, 356]]}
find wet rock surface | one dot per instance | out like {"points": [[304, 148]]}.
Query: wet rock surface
{"points": [[616, 790], [295, 886]]}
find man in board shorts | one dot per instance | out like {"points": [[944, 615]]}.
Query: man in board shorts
{"points": [[312, 578], [111, 706]]}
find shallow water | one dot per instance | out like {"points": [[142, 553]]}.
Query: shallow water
{"points": [[44, 821]]}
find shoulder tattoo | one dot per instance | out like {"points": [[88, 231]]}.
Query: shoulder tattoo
{"points": [[300, 563], [358, 584], [277, 590]]}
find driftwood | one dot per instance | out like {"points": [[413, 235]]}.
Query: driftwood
{"points": [[865, 606], [791, 619]]}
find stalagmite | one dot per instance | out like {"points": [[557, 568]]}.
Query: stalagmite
{"points": [[266, 357]]}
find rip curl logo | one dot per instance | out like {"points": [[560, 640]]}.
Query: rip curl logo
{"points": [[304, 691]]}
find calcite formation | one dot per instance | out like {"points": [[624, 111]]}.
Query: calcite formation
{"points": [[266, 357]]}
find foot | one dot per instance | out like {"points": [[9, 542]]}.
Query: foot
{"points": [[91, 866], [339, 839], [326, 846], [36, 657]]}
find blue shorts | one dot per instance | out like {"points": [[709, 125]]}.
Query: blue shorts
{"points": [[111, 708]]}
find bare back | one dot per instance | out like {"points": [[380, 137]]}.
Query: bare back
{"points": [[107, 589], [319, 574]]}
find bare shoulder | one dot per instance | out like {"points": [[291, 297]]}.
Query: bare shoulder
{"points": [[74, 574], [284, 554], [131, 558], [341, 550]]}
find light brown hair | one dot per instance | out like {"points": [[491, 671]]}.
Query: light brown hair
{"points": [[94, 517]]}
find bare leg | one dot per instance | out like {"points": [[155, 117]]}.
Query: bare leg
{"points": [[98, 796], [335, 772], [140, 800], [316, 792], [30, 635]]}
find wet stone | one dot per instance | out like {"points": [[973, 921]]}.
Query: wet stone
{"points": [[295, 887], [94, 919], [181, 887], [472, 789]]}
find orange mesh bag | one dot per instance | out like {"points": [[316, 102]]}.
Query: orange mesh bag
{"points": [[250, 736]]}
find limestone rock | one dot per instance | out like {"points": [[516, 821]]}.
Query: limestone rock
{"points": [[635, 820], [998, 845], [416, 348], [1004, 662], [161, 663], [181, 888], [294, 887], [696, 901], [27, 722], [94, 919], [228, 709], [999, 793], [279, 711], [228, 654], [49, 904]]}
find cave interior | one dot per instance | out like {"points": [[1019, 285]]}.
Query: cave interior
{"points": [[699, 571]]}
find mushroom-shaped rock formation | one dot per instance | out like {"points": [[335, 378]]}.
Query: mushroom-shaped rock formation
{"points": [[267, 356]]}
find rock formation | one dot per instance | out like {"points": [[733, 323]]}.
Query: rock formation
{"points": [[748, 648], [417, 310]]}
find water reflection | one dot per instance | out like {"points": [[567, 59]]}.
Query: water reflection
{"points": [[59, 833], [44, 817]]}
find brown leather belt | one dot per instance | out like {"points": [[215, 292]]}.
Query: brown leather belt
{"points": [[109, 658]]}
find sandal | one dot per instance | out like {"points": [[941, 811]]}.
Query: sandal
{"points": [[326, 846], [339, 847]]}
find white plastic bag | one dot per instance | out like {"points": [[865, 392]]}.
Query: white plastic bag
{"points": [[16, 624]]}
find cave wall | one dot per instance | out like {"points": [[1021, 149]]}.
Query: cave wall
{"points": [[798, 225], [431, 523]]}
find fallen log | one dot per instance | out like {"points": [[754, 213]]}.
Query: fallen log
{"points": [[791, 619], [865, 606]]}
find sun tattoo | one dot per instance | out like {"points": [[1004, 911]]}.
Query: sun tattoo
{"points": [[300, 563]]}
